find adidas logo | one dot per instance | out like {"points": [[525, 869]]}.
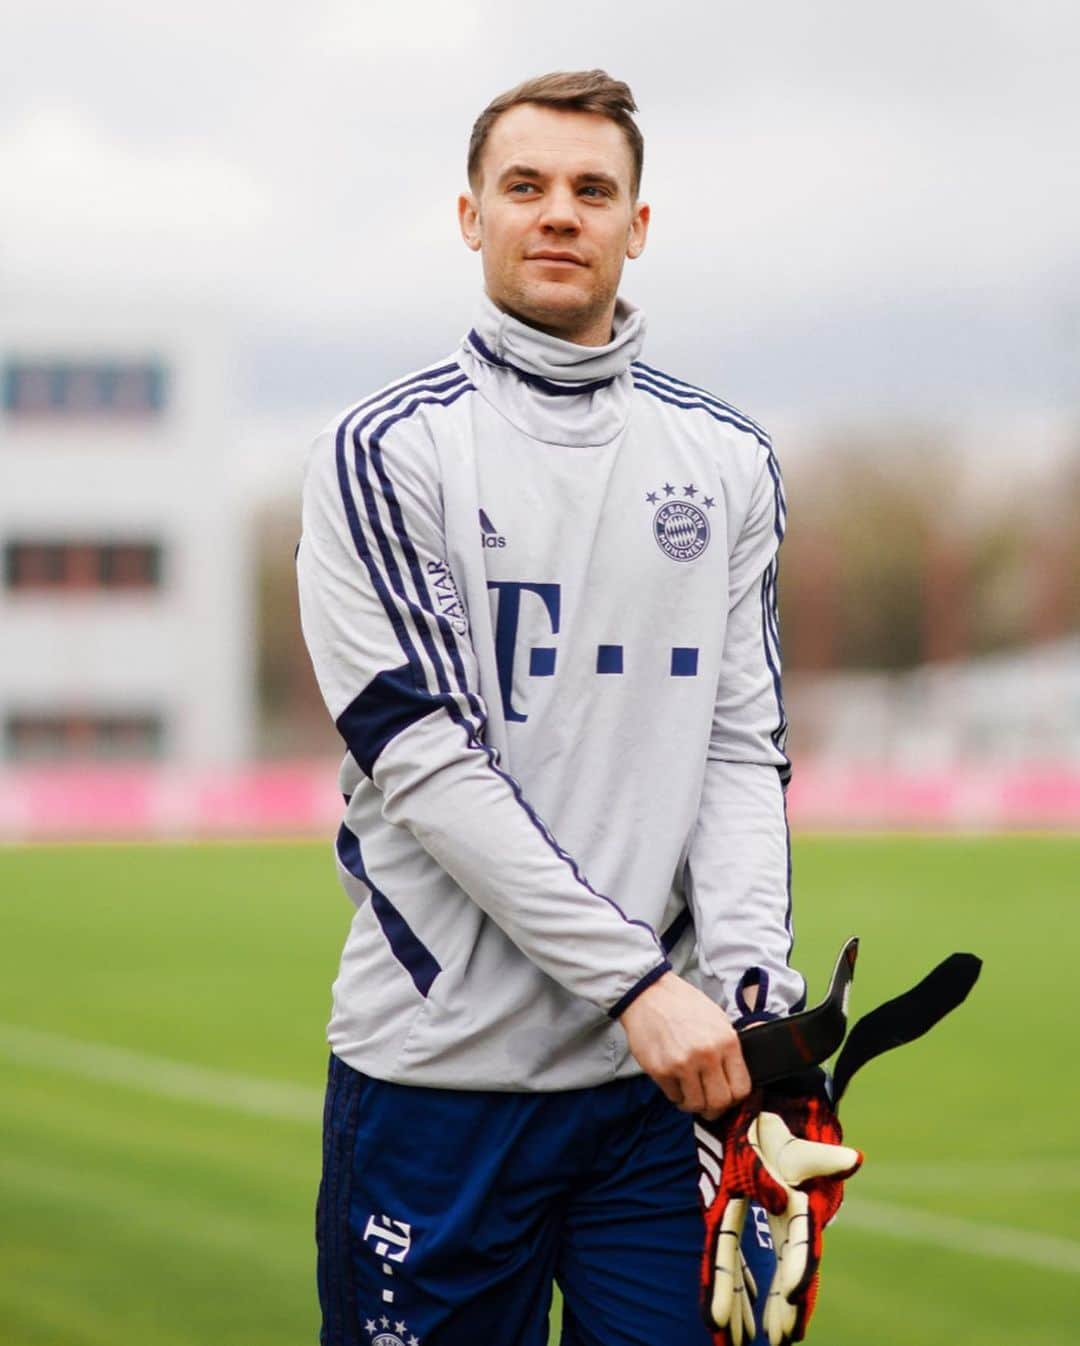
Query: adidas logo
{"points": [[489, 534]]}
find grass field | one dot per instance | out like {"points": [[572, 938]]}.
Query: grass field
{"points": [[161, 1061]]}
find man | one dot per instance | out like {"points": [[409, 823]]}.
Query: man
{"points": [[538, 586]]}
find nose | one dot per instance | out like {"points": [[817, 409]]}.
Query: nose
{"points": [[560, 212]]}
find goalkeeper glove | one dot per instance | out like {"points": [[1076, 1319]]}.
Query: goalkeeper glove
{"points": [[781, 1149]]}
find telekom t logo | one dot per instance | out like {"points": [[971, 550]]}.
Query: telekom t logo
{"points": [[541, 657], [609, 658], [392, 1238]]}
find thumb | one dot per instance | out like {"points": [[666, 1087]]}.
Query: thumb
{"points": [[793, 1160]]}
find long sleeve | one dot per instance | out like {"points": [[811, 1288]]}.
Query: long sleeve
{"points": [[739, 858], [389, 640]]}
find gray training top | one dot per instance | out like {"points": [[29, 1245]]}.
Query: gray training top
{"points": [[538, 586]]}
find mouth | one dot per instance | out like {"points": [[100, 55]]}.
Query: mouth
{"points": [[555, 258]]}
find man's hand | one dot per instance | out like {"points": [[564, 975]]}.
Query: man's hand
{"points": [[685, 1043]]}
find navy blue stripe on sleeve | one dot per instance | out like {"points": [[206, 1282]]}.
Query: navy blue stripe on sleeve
{"points": [[415, 958], [421, 610], [698, 404], [383, 567], [388, 704], [772, 660], [422, 376], [683, 389], [449, 637]]}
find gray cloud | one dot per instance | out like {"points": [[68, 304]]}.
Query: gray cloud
{"points": [[889, 199]]}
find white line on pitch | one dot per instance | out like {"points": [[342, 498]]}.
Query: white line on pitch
{"points": [[1056, 1174], [967, 1236], [156, 1075], [296, 1103]]}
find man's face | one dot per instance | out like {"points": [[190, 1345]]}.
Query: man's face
{"points": [[554, 218]]}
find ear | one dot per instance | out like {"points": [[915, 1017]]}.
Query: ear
{"points": [[639, 229], [468, 211]]}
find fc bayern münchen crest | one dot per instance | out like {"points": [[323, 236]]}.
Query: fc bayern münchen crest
{"points": [[680, 526], [383, 1332]]}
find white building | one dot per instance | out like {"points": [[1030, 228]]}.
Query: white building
{"points": [[1012, 709], [125, 592]]}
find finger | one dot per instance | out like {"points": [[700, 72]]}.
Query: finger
{"points": [[726, 1261], [804, 1159], [693, 1094], [772, 1320], [748, 1280], [671, 1089], [742, 1313], [769, 1136], [717, 1095], [746, 1300], [768, 1190], [779, 1319], [735, 1327], [738, 1077], [794, 1160], [804, 1305], [791, 1271]]}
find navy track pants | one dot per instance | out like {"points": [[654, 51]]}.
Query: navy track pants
{"points": [[445, 1216]]}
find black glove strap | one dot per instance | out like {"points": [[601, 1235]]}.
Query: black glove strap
{"points": [[906, 1017], [784, 1047]]}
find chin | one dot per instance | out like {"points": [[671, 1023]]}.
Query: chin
{"points": [[554, 304]]}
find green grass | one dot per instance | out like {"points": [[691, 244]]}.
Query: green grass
{"points": [[130, 1217]]}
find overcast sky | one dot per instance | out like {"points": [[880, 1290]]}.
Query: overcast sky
{"points": [[857, 208]]}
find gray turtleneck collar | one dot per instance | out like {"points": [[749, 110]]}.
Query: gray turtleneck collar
{"points": [[556, 391]]}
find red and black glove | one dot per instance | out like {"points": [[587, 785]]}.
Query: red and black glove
{"points": [[781, 1148]]}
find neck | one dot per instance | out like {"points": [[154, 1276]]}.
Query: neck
{"points": [[550, 354], [598, 331]]}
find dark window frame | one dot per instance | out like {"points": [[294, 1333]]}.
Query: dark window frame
{"points": [[84, 735], [75, 390], [64, 566]]}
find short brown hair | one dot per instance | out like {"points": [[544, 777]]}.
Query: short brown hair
{"points": [[573, 91]]}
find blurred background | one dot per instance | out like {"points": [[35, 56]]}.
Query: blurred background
{"points": [[216, 233], [218, 226]]}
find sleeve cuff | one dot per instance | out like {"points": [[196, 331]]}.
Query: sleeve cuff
{"points": [[757, 1017], [628, 999]]}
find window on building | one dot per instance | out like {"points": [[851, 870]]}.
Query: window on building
{"points": [[82, 566], [68, 736], [83, 389]]}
